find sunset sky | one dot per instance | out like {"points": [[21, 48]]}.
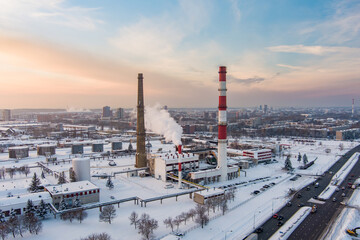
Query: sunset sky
{"points": [[86, 54]]}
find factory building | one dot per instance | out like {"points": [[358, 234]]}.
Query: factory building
{"points": [[46, 149], [85, 191], [77, 149], [258, 155], [107, 113], [214, 175], [116, 145], [161, 165], [18, 152], [97, 147], [19, 202]]}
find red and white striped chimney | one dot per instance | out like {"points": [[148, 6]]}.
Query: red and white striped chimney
{"points": [[222, 123]]}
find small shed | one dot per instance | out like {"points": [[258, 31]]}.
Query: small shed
{"points": [[18, 152], [77, 149], [116, 146], [97, 147], [201, 197], [46, 149]]}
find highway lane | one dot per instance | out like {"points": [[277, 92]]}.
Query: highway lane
{"points": [[270, 226]]}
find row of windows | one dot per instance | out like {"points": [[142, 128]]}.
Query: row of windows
{"points": [[82, 193]]}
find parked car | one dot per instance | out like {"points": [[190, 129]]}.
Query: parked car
{"points": [[275, 216], [307, 188], [289, 204], [256, 192], [281, 217], [334, 199], [299, 195], [167, 186], [112, 163], [280, 223], [259, 230], [300, 205]]}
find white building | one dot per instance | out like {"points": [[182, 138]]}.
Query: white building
{"points": [[85, 191], [19, 202], [258, 155], [168, 162]]}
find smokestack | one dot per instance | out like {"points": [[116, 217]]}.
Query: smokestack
{"points": [[179, 166], [352, 111], [140, 127], [222, 139]]}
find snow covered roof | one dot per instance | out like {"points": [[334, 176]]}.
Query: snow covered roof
{"points": [[71, 187], [18, 147], [35, 197], [258, 150], [211, 192]]}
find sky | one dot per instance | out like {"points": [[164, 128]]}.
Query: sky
{"points": [[87, 54]]}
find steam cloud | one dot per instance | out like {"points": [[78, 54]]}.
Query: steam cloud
{"points": [[159, 121]]}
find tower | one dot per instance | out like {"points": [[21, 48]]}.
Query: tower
{"points": [[140, 127], [222, 125], [352, 110]]}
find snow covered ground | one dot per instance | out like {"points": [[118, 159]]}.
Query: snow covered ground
{"points": [[246, 212]]}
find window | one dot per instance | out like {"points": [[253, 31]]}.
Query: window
{"points": [[98, 190], [85, 193], [77, 194], [81, 194], [67, 196], [94, 191], [72, 195]]}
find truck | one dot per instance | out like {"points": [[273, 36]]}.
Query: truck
{"points": [[314, 209]]}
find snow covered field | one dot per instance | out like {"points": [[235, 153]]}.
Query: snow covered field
{"points": [[246, 212]]}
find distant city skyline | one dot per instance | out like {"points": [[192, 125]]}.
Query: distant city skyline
{"points": [[87, 54]]}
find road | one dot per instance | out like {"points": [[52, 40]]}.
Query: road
{"points": [[315, 224]]}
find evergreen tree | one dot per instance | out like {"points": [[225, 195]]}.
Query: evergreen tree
{"points": [[63, 205], [130, 148], [35, 183], [305, 159], [72, 175], [77, 203], [2, 216], [109, 183], [288, 164], [42, 209], [299, 158], [30, 208], [61, 179]]}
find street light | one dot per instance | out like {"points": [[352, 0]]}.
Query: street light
{"points": [[254, 218]]}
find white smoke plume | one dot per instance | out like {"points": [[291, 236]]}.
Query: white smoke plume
{"points": [[159, 121]]}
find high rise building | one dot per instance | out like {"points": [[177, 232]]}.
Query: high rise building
{"points": [[6, 114], [141, 160], [119, 114], [265, 108], [106, 112]]}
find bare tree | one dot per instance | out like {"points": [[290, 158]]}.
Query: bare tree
{"points": [[201, 217], [192, 213], [177, 222], [68, 216], [108, 213], [185, 216], [134, 218], [169, 222], [341, 146], [72, 175], [32, 223], [13, 225], [97, 236], [208, 204], [147, 226], [26, 170], [224, 206], [4, 230], [81, 215]]}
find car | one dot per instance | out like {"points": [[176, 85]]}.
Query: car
{"points": [[300, 205], [179, 234], [299, 195], [315, 197], [272, 184], [262, 189], [259, 230], [112, 197], [343, 194], [352, 175], [337, 189], [281, 217], [256, 192], [266, 186], [112, 163], [275, 216], [167, 186], [289, 204], [342, 188], [307, 188], [280, 223], [334, 199]]}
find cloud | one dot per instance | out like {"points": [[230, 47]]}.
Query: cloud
{"points": [[290, 66], [21, 12], [343, 26], [315, 50], [246, 81], [236, 10]]}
